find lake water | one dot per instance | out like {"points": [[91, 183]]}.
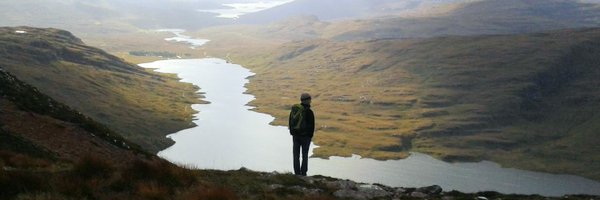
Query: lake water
{"points": [[235, 10], [230, 136], [179, 37]]}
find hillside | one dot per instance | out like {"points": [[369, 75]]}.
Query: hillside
{"points": [[443, 18], [141, 105], [433, 19], [524, 101], [50, 151], [33, 121], [331, 10]]}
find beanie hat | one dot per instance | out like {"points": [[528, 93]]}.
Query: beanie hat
{"points": [[305, 96]]}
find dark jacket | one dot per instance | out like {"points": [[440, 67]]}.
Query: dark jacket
{"points": [[307, 125]]}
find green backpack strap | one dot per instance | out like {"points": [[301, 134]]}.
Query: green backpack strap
{"points": [[297, 115]]}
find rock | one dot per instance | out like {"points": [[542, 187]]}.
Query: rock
{"points": [[350, 191], [431, 190], [447, 198], [341, 184], [313, 192], [399, 190], [418, 195], [306, 191], [373, 191], [348, 194], [308, 179], [274, 187]]}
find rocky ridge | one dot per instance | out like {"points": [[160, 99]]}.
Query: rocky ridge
{"points": [[347, 189]]}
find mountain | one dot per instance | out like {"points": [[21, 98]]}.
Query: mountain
{"points": [[424, 20], [108, 16], [328, 10], [487, 17], [41, 138], [141, 105], [412, 18], [47, 128]]}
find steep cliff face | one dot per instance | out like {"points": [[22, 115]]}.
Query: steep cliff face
{"points": [[141, 105]]}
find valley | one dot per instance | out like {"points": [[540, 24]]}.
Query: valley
{"points": [[464, 81], [457, 98], [51, 151]]}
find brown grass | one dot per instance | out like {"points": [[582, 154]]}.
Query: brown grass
{"points": [[210, 193], [22, 161], [93, 166], [160, 171], [152, 191]]}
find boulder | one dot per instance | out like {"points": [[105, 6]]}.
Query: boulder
{"points": [[418, 195], [306, 191], [341, 184], [349, 194], [308, 179], [430, 190], [373, 191], [275, 187], [447, 198]]}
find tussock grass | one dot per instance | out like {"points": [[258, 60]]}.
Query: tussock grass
{"points": [[90, 166]]}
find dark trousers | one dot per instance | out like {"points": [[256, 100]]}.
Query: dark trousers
{"points": [[304, 143]]}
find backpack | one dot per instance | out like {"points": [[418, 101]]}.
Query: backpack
{"points": [[297, 119]]}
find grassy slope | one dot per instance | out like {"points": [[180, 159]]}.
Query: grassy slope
{"points": [[143, 106], [33, 115], [501, 98]]}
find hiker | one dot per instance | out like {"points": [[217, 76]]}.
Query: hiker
{"points": [[302, 128]]}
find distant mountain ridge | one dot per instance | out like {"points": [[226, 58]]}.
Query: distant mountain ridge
{"points": [[115, 17], [487, 17], [465, 18], [141, 105], [328, 10]]}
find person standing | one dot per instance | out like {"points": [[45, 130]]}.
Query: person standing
{"points": [[302, 128]]}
